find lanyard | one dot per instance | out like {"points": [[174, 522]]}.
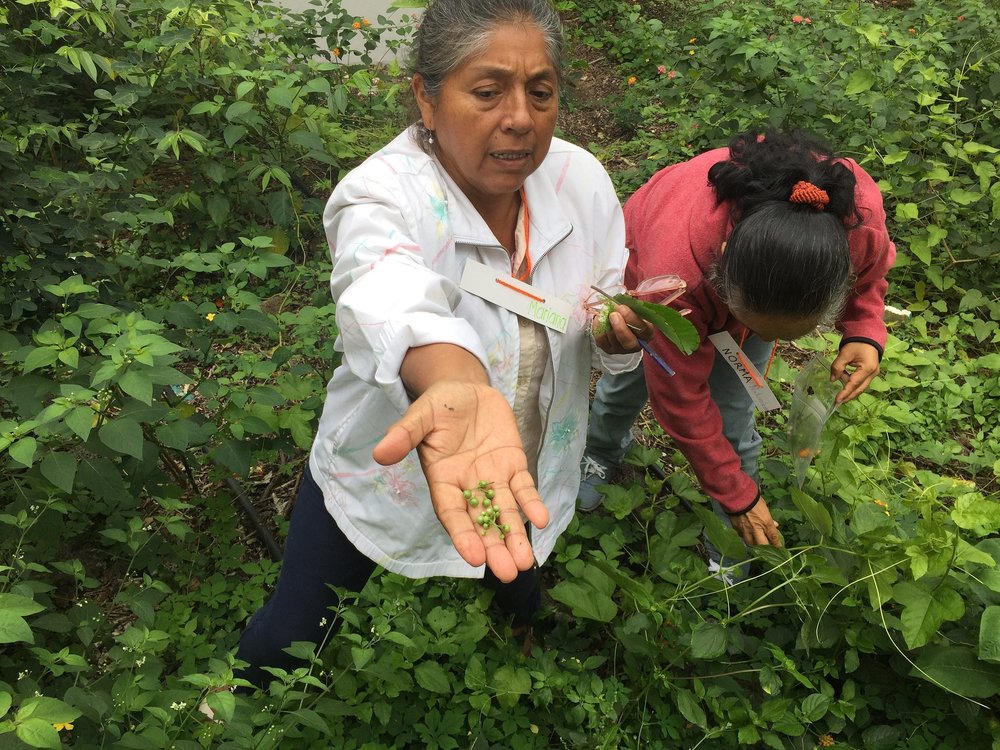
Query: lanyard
{"points": [[770, 359], [526, 223]]}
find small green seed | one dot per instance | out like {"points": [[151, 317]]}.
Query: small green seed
{"points": [[467, 494], [505, 528], [473, 501], [489, 494], [482, 532], [483, 484]]}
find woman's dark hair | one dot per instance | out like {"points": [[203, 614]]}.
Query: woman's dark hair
{"points": [[785, 259], [452, 32]]}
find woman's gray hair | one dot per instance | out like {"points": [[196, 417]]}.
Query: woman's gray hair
{"points": [[452, 32]]}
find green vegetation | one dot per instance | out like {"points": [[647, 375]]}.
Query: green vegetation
{"points": [[166, 326]]}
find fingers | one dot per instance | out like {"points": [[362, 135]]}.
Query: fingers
{"points": [[756, 526], [856, 384], [529, 501], [625, 330]]}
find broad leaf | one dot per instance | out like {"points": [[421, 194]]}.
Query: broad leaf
{"points": [[957, 669], [668, 321], [708, 640], [925, 608]]}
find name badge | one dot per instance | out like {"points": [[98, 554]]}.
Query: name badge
{"points": [[514, 295], [750, 377]]}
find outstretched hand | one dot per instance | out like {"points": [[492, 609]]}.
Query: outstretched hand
{"points": [[464, 433], [756, 526], [862, 359]]}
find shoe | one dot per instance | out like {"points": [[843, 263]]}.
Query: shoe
{"points": [[593, 474]]}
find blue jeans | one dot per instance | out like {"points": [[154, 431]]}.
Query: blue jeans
{"points": [[317, 556], [619, 399]]}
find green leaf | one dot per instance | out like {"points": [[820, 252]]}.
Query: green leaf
{"points": [[989, 635], [722, 535], [925, 608], [223, 703], [14, 628], [309, 718], [5, 703], [41, 357], [957, 669], [862, 80], [23, 451], [817, 515], [814, 707], [238, 109], [137, 384], [244, 88], [668, 321], [38, 733], [80, 421], [48, 709], [708, 640], [585, 601], [881, 737], [19, 605], [510, 684], [431, 676], [234, 455], [123, 435], [60, 469], [690, 708], [964, 197]]}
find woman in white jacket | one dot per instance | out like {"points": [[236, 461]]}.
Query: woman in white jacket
{"points": [[464, 254]]}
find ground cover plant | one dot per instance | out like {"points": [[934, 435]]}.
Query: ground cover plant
{"points": [[167, 334]]}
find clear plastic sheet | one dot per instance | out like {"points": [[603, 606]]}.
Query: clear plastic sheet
{"points": [[812, 404]]}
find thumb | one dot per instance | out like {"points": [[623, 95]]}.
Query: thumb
{"points": [[394, 446]]}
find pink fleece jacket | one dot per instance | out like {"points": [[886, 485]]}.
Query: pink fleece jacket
{"points": [[674, 225]]}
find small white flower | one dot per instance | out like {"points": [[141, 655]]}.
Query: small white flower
{"points": [[141, 661], [178, 706], [22, 675], [322, 622]]}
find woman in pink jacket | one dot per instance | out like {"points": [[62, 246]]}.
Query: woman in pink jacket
{"points": [[773, 236]]}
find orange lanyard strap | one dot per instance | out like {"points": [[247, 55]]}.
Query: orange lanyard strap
{"points": [[526, 223], [774, 350]]}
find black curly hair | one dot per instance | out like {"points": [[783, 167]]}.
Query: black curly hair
{"points": [[784, 259]]}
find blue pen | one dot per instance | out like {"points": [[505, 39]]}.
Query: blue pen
{"points": [[645, 347]]}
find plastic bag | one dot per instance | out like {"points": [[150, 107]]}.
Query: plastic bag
{"points": [[812, 404]]}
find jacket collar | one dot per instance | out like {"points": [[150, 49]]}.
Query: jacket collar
{"points": [[549, 223]]}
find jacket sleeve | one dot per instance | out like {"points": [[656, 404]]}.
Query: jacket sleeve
{"points": [[683, 406], [872, 255], [389, 298]]}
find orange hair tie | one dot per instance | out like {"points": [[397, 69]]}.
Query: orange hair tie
{"points": [[810, 195]]}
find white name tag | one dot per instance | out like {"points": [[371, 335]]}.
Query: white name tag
{"points": [[753, 381], [516, 296]]}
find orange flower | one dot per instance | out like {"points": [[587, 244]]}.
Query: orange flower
{"points": [[961, 18], [826, 741], [365, 22], [796, 19], [335, 52], [632, 80], [356, 25], [911, 30]]}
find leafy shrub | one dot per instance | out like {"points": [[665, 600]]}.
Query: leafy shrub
{"points": [[166, 326]]}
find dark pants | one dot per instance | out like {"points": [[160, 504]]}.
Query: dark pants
{"points": [[317, 556]]}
